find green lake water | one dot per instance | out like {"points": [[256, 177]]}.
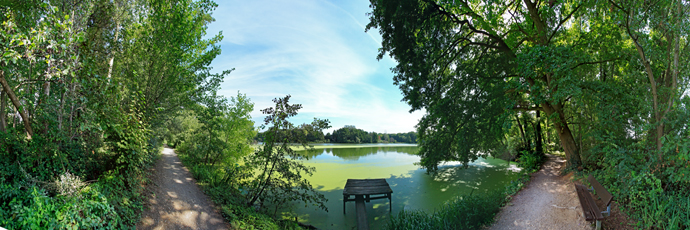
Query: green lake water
{"points": [[412, 187]]}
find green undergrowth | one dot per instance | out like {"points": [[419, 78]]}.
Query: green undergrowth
{"points": [[230, 199], [70, 188], [653, 190], [471, 211]]}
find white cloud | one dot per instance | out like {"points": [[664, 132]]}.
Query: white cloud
{"points": [[316, 51]]}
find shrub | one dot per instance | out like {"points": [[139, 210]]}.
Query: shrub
{"points": [[530, 161], [32, 208]]}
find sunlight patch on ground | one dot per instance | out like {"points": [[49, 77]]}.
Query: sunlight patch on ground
{"points": [[172, 194]]}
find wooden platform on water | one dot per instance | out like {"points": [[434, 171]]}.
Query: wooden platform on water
{"points": [[366, 190]]}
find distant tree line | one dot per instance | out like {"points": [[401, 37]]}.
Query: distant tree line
{"points": [[310, 132], [346, 134], [351, 134]]}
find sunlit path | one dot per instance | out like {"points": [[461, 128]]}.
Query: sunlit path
{"points": [[177, 202], [549, 201]]}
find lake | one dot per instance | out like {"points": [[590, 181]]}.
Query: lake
{"points": [[412, 187]]}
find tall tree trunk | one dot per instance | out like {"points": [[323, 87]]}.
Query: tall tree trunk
{"points": [[8, 90], [61, 111], [112, 57], [3, 114], [658, 129], [46, 89], [564, 134], [522, 131], [538, 146]]}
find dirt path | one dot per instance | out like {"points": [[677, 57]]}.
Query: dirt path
{"points": [[548, 202], [177, 202]]}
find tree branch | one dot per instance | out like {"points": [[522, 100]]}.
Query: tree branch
{"points": [[502, 45], [563, 21], [594, 62], [8, 90], [518, 108]]}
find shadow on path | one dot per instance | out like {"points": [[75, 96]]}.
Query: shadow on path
{"points": [[177, 202], [549, 201]]}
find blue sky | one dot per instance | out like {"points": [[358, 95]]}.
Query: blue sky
{"points": [[316, 51]]}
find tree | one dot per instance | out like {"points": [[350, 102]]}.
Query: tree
{"points": [[280, 173], [470, 63], [656, 30], [225, 131]]}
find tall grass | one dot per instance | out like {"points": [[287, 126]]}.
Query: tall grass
{"points": [[467, 212]]}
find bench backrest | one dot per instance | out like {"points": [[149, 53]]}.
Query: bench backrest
{"points": [[604, 194]]}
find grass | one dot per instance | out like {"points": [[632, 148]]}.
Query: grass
{"points": [[467, 212]]}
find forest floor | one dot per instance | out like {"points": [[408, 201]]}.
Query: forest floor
{"points": [[549, 201], [175, 201]]}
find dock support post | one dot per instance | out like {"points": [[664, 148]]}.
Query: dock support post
{"points": [[344, 200], [362, 222], [390, 203]]}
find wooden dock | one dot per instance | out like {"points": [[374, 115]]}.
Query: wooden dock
{"points": [[366, 190]]}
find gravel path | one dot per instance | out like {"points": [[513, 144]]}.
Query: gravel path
{"points": [[548, 202], [177, 202]]}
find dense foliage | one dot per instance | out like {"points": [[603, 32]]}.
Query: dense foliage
{"points": [[611, 78], [347, 134], [86, 86], [311, 132], [250, 186]]}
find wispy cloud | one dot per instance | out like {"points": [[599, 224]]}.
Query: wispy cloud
{"points": [[318, 52]]}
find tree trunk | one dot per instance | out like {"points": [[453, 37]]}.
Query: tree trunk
{"points": [[3, 114], [61, 111], [658, 127], [8, 90], [522, 131], [564, 134], [46, 89], [539, 148]]}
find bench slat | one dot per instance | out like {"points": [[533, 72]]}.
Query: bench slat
{"points": [[365, 182], [589, 206], [367, 190], [604, 194], [587, 211]]}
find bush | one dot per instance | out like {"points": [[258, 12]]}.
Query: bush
{"points": [[651, 190], [530, 161], [32, 208]]}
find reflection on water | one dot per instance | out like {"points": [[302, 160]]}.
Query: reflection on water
{"points": [[353, 155], [412, 187]]}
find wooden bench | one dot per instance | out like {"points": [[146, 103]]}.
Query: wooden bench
{"points": [[589, 207], [362, 190]]}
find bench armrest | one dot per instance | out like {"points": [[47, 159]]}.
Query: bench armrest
{"points": [[608, 211]]}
